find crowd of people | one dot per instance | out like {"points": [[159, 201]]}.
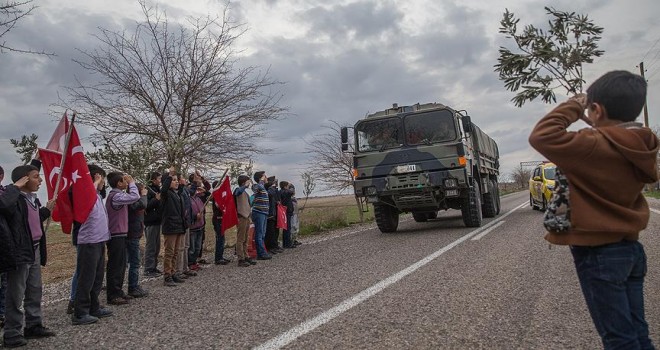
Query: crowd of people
{"points": [[108, 242]]}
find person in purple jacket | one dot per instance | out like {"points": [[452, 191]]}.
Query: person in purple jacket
{"points": [[117, 207], [91, 237]]}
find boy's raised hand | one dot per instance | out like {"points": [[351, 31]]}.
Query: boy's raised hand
{"points": [[50, 204], [22, 181], [581, 99], [128, 179]]}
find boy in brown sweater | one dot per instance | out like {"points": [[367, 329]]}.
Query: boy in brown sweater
{"points": [[606, 167]]}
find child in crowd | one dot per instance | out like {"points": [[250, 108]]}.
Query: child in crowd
{"points": [[197, 226], [135, 233], [90, 238], [243, 210], [272, 237], [22, 212], [295, 221], [260, 214], [117, 208], [182, 269], [286, 198], [152, 222], [174, 226]]}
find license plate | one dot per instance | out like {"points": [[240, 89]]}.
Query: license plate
{"points": [[406, 168]]}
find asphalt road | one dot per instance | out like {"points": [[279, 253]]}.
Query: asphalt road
{"points": [[434, 285]]}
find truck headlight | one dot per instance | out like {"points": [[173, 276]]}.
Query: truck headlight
{"points": [[371, 191], [449, 183]]}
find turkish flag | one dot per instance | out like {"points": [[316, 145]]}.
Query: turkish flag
{"points": [[75, 176], [224, 199]]}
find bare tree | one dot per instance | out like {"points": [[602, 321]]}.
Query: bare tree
{"points": [[178, 85], [237, 168], [521, 176], [333, 168], [11, 12], [309, 184]]}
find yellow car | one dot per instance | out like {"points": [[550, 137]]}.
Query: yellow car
{"points": [[541, 185]]}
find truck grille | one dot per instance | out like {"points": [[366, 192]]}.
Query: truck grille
{"points": [[406, 181], [414, 200]]}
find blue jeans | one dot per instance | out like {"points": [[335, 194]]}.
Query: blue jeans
{"points": [[3, 291], [259, 220], [219, 241], [133, 257], [195, 245], [612, 281]]}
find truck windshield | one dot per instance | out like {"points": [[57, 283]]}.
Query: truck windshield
{"points": [[430, 127], [378, 135]]}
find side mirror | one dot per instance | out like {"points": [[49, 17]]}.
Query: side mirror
{"points": [[467, 123], [536, 178], [344, 139]]}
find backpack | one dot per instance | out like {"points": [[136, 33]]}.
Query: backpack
{"points": [[557, 217]]}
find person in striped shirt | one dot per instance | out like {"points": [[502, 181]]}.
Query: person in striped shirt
{"points": [[260, 213]]}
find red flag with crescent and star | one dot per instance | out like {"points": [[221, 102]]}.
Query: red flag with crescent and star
{"points": [[75, 177], [224, 199]]}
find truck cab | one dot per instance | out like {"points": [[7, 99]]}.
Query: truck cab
{"points": [[421, 159]]}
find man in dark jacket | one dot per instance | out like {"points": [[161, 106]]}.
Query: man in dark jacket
{"points": [[24, 217], [152, 220], [272, 232]]}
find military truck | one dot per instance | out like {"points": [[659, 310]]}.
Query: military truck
{"points": [[421, 159]]}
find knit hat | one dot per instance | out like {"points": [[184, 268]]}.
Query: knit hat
{"points": [[242, 179], [258, 175]]}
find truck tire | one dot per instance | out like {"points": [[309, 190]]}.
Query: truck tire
{"points": [[490, 201], [421, 216], [432, 215], [387, 218], [471, 206]]}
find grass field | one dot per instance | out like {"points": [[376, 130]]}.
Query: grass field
{"points": [[319, 214]]}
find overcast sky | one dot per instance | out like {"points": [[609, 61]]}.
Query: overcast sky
{"points": [[338, 59]]}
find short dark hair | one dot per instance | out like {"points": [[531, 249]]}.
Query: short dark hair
{"points": [[621, 93], [284, 184], [114, 178], [242, 179], [2, 171], [154, 175], [95, 169], [258, 175], [21, 171]]}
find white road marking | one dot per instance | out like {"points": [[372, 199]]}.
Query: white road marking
{"points": [[307, 326], [479, 236], [655, 211]]}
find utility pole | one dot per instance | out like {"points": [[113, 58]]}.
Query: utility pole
{"points": [[646, 111]]}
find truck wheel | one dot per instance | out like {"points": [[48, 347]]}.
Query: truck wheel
{"points": [[387, 218], [432, 215], [490, 201], [471, 206], [420, 217]]}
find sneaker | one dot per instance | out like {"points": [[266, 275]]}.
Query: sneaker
{"points": [[84, 319], [265, 257], [278, 250], [101, 313], [138, 292], [296, 243], [118, 301], [127, 297], [70, 307], [14, 342], [243, 263], [169, 282], [37, 331], [152, 274], [177, 279], [194, 267], [190, 273], [222, 262], [250, 261]]}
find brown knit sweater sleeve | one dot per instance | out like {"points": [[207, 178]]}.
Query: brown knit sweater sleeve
{"points": [[551, 138]]}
